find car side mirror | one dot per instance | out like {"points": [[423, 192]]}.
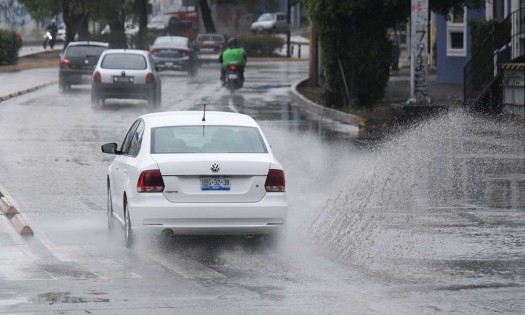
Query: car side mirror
{"points": [[110, 148]]}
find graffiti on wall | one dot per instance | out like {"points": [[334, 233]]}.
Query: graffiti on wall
{"points": [[12, 15]]}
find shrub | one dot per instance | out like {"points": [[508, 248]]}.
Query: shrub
{"points": [[8, 47], [262, 45]]}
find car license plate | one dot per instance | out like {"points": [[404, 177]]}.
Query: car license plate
{"points": [[86, 77], [122, 79], [232, 76], [206, 49], [215, 183], [169, 64]]}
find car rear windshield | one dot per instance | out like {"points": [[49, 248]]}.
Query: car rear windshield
{"points": [[124, 61], [266, 17], [82, 51], [207, 139], [213, 38]]}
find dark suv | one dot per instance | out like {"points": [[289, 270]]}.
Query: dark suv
{"points": [[78, 62]]}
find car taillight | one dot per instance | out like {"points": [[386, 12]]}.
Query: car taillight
{"points": [[154, 51], [185, 52], [275, 181], [64, 61], [96, 77], [150, 78], [150, 181], [233, 68]]}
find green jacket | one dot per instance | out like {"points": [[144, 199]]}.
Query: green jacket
{"points": [[233, 56]]}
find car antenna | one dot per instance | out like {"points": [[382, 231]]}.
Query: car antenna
{"points": [[204, 119]]}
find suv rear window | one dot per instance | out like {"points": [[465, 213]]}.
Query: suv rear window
{"points": [[82, 51], [124, 61]]}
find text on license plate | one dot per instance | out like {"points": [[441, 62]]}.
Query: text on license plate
{"points": [[232, 76], [215, 183], [123, 79]]}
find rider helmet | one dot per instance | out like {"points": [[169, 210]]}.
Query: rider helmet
{"points": [[232, 42]]}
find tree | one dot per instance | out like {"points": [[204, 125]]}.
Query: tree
{"points": [[356, 52], [42, 10]]}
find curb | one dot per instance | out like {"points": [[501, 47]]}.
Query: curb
{"points": [[28, 66], [25, 91], [316, 109], [16, 219]]}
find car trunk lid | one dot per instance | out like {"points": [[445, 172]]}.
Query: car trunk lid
{"points": [[213, 177]]}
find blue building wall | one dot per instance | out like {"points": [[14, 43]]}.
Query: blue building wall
{"points": [[450, 68]]}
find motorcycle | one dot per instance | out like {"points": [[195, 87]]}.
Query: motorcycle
{"points": [[49, 39], [234, 80]]}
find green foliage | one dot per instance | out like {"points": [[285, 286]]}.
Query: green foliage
{"points": [[8, 47], [260, 45], [42, 10], [483, 46], [355, 48]]}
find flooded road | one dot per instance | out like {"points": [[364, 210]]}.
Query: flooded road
{"points": [[430, 220]]}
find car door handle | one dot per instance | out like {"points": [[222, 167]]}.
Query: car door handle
{"points": [[125, 170]]}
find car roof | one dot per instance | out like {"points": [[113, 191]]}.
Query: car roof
{"points": [[194, 118], [88, 43], [126, 51]]}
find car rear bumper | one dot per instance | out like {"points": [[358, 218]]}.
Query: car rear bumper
{"points": [[75, 76], [154, 211], [110, 90], [181, 64]]}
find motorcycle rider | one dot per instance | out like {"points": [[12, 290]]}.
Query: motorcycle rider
{"points": [[53, 30], [233, 55]]}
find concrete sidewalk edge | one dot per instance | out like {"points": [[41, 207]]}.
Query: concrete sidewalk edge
{"points": [[25, 91], [314, 108]]}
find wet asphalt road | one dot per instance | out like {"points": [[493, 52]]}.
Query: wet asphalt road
{"points": [[429, 221]]}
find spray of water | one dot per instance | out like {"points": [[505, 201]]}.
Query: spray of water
{"points": [[374, 208]]}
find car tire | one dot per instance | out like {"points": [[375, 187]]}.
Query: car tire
{"points": [[110, 208], [128, 232], [158, 97], [95, 99], [152, 98], [62, 86]]}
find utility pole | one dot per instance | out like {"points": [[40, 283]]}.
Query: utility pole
{"points": [[288, 13], [419, 53]]}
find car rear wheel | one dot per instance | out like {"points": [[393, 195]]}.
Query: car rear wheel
{"points": [[62, 86], [158, 98], [128, 234], [95, 99], [110, 208]]}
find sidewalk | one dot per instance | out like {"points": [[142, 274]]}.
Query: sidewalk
{"points": [[22, 82]]}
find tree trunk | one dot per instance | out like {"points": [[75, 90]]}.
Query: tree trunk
{"points": [[313, 71], [142, 39], [206, 16]]}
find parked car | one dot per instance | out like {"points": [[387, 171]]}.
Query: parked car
{"points": [[196, 173], [271, 22], [77, 63], [126, 74], [209, 46], [161, 24], [61, 33], [174, 53]]}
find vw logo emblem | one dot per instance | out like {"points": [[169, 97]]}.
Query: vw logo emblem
{"points": [[215, 168]]}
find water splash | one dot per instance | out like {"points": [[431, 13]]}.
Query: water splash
{"points": [[388, 212]]}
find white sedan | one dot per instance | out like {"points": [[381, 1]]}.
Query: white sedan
{"points": [[196, 173]]}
